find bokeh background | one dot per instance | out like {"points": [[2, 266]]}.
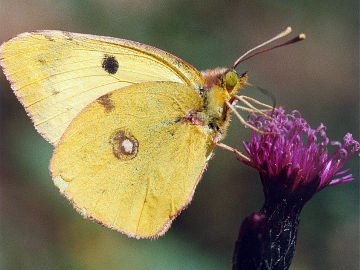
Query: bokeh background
{"points": [[39, 228]]}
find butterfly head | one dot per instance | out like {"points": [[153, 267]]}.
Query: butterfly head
{"points": [[225, 78], [233, 82]]}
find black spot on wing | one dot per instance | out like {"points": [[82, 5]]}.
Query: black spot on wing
{"points": [[110, 64]]}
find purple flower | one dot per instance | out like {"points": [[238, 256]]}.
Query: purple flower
{"points": [[294, 159], [294, 163]]}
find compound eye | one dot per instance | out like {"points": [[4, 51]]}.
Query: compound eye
{"points": [[231, 79]]}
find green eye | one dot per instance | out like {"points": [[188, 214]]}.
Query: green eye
{"points": [[231, 80]]}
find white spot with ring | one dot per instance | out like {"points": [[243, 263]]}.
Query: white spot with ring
{"points": [[128, 145]]}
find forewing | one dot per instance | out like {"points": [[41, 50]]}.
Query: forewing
{"points": [[56, 74]]}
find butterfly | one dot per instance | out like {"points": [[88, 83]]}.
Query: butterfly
{"points": [[133, 126]]}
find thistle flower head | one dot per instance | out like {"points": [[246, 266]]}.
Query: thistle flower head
{"points": [[294, 159]]}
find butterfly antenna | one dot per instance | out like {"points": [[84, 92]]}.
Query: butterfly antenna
{"points": [[280, 35]]}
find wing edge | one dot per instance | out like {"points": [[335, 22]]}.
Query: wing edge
{"points": [[160, 232]]}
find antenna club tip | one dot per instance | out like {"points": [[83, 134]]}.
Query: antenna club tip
{"points": [[288, 29], [302, 36]]}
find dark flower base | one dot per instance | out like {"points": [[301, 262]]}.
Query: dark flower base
{"points": [[267, 239]]}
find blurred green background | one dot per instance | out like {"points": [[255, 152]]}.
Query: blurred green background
{"points": [[39, 228]]}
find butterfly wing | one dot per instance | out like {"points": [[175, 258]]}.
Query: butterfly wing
{"points": [[130, 160], [56, 74]]}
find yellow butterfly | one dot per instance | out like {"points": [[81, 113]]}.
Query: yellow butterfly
{"points": [[133, 126]]}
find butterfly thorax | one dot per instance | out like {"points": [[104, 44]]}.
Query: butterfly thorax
{"points": [[220, 85]]}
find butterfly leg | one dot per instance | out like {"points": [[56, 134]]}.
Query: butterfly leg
{"points": [[254, 100], [246, 109], [242, 120], [235, 151], [229, 148], [245, 99]]}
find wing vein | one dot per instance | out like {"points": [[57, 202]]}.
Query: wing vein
{"points": [[143, 206]]}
